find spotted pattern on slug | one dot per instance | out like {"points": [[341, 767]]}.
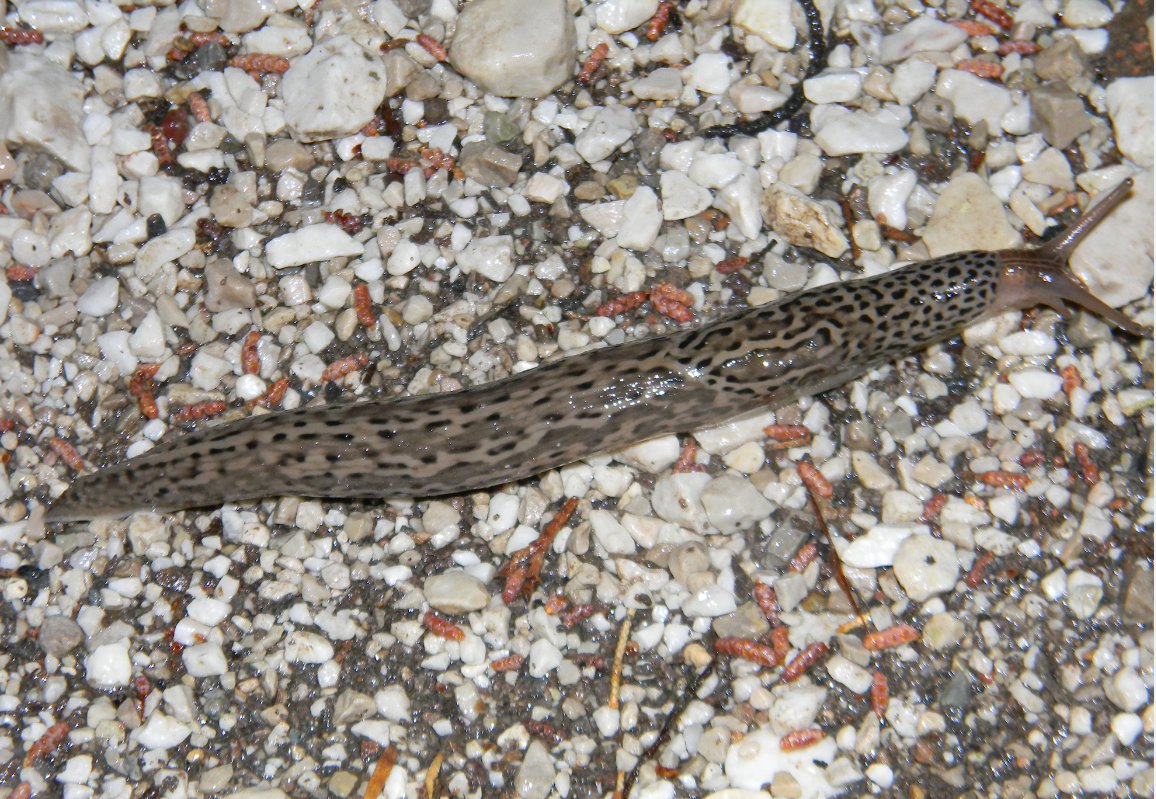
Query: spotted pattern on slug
{"points": [[601, 400]]}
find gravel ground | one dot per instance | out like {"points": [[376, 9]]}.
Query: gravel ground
{"points": [[215, 209]]}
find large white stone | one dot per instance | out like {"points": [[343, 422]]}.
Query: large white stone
{"points": [[515, 48], [770, 20], [968, 216], [610, 128], [333, 90], [1116, 258], [974, 98], [619, 16], [311, 243], [921, 35], [1130, 106], [41, 108]]}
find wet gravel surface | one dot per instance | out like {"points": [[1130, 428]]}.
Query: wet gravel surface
{"points": [[214, 222]]}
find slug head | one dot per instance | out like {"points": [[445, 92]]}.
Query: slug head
{"points": [[1041, 276]]}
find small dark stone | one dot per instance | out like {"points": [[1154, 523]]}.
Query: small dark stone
{"points": [[935, 112], [209, 57], [155, 225], [1137, 604], [59, 635], [956, 692], [437, 110], [40, 169], [780, 546], [215, 702], [172, 579], [648, 146], [414, 8]]}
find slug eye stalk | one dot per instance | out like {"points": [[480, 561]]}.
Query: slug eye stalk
{"points": [[1041, 276]]}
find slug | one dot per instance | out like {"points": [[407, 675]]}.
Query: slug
{"points": [[598, 401]]}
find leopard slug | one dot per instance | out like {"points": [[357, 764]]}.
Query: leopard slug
{"points": [[598, 401]]}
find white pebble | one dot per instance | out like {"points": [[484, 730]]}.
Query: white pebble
{"points": [[770, 20], [393, 703], [115, 347], [877, 547], [489, 256], [881, 774], [675, 498], [660, 84], [975, 98], [207, 370], [503, 512], [1127, 727], [332, 90], [76, 770], [164, 249], [842, 132], [302, 646], [887, 196], [709, 73], [651, 456], [834, 86], [205, 660], [148, 340], [208, 610], [405, 256], [732, 504], [162, 732], [921, 35], [543, 187], [250, 387], [911, 80], [850, 674], [641, 220], [610, 128], [619, 16], [100, 298], [754, 760], [455, 591], [1126, 690], [108, 665], [544, 658], [1036, 383], [515, 48], [926, 566], [1084, 593], [1086, 14], [320, 242], [317, 336], [710, 602], [1130, 107], [682, 197], [610, 533]]}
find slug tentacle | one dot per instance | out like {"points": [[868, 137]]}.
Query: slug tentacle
{"points": [[1041, 276]]}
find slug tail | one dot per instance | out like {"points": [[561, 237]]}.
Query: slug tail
{"points": [[1041, 276]]}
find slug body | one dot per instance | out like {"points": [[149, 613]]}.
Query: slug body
{"points": [[601, 400]]}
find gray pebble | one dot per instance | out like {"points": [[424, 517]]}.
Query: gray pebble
{"points": [[935, 112], [489, 164], [40, 169], [60, 635], [1064, 60], [227, 288], [1059, 114], [1137, 604]]}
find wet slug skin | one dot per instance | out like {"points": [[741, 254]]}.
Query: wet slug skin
{"points": [[601, 400]]}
